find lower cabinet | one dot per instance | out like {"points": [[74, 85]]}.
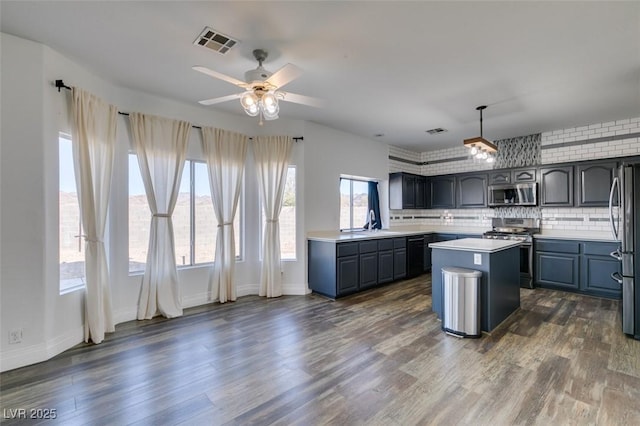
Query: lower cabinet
{"points": [[385, 266], [597, 267], [399, 258], [347, 274], [341, 268], [368, 264], [583, 267]]}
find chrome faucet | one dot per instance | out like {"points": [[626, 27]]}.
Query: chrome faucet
{"points": [[372, 218]]}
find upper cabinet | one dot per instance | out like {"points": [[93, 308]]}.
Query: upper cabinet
{"points": [[580, 184], [594, 182], [523, 175], [407, 191], [501, 177], [472, 191], [443, 192], [556, 185]]}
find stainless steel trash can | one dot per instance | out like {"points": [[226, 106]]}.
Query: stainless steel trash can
{"points": [[461, 309]]}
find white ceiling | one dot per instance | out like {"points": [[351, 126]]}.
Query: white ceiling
{"points": [[398, 68]]}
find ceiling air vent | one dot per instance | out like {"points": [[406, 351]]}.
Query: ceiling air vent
{"points": [[215, 40], [436, 131]]}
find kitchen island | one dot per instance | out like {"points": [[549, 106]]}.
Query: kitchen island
{"points": [[343, 263], [499, 262]]}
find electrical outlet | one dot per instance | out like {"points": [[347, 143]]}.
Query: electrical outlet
{"points": [[477, 259], [15, 336]]}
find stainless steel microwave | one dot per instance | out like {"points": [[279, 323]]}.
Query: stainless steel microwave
{"points": [[517, 194]]}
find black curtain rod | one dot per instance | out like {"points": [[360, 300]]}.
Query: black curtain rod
{"points": [[60, 85]]}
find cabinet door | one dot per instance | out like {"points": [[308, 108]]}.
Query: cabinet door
{"points": [[420, 192], [443, 192], [368, 270], [595, 278], [557, 186], [597, 267], [399, 263], [594, 183], [472, 191], [524, 175], [557, 270], [347, 274], [385, 266], [497, 178], [408, 192]]}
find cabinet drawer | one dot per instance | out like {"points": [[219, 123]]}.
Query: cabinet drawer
{"points": [[600, 249], [558, 246], [385, 244], [524, 175], [399, 243], [368, 246], [347, 249]]}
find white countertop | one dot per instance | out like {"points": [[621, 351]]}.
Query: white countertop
{"points": [[475, 244], [403, 231], [603, 236], [337, 236]]}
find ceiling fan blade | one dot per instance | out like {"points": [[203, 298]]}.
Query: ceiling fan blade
{"points": [[302, 99], [220, 76], [221, 99], [284, 75]]}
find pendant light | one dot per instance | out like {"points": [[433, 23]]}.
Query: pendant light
{"points": [[480, 148]]}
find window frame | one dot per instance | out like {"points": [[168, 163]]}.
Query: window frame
{"points": [[68, 288], [351, 180], [191, 164]]}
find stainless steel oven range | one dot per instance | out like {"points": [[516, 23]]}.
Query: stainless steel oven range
{"points": [[518, 229]]}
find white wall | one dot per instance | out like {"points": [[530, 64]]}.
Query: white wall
{"points": [[33, 113], [330, 153]]}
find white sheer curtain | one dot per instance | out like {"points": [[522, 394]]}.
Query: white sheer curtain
{"points": [[94, 140], [225, 153], [272, 161], [161, 146]]}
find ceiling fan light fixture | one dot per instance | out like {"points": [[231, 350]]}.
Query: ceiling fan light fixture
{"points": [[269, 101], [248, 100]]}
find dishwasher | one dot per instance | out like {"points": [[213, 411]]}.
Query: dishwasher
{"points": [[415, 256]]}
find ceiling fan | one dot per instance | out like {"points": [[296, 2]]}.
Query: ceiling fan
{"points": [[262, 88]]}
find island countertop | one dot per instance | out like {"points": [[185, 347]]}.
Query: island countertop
{"points": [[401, 231], [475, 244]]}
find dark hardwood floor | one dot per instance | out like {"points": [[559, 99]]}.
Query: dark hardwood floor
{"points": [[376, 358]]}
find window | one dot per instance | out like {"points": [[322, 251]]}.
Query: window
{"points": [[354, 203], [139, 218], [194, 223], [287, 219], [71, 244]]}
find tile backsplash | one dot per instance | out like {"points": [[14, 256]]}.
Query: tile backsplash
{"points": [[575, 219], [601, 140]]}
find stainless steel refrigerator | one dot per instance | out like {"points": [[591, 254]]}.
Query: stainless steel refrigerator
{"points": [[625, 194]]}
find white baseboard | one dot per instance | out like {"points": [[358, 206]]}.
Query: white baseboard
{"points": [[21, 357]]}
